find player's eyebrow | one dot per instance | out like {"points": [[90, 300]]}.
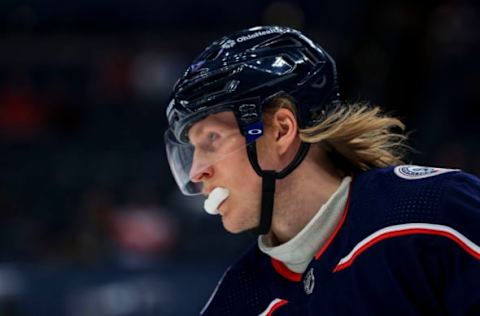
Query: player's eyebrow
{"points": [[211, 122], [198, 131]]}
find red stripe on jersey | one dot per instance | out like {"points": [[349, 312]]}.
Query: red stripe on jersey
{"points": [[339, 226], [288, 274], [274, 305], [448, 232]]}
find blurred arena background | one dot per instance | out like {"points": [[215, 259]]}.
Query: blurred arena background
{"points": [[91, 222]]}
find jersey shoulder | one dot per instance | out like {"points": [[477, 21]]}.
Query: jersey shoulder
{"points": [[460, 207], [408, 199], [409, 194], [414, 208]]}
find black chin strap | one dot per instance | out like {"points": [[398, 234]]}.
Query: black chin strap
{"points": [[268, 193], [269, 178]]}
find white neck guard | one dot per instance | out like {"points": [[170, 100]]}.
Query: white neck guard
{"points": [[297, 253]]}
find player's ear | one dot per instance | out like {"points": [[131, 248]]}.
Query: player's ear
{"points": [[285, 130]]}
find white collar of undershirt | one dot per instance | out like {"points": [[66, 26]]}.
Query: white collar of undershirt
{"points": [[297, 253]]}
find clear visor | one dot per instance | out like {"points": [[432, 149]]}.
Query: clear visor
{"points": [[212, 140]]}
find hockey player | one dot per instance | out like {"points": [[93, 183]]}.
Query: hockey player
{"points": [[345, 227]]}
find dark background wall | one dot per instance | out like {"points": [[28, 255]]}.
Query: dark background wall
{"points": [[90, 220]]}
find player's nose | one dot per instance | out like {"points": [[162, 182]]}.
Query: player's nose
{"points": [[200, 170], [201, 175]]}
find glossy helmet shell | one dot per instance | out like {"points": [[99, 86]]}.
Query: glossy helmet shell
{"points": [[243, 71]]}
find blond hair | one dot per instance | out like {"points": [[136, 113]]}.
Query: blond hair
{"points": [[354, 136]]}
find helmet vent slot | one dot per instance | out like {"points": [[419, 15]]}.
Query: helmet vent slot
{"points": [[212, 55], [209, 86], [311, 57], [280, 43]]}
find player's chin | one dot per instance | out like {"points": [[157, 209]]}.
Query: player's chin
{"points": [[234, 227]]}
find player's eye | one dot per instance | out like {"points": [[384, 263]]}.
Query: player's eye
{"points": [[210, 141], [212, 136]]}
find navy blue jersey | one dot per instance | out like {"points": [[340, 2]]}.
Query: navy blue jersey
{"points": [[407, 244]]}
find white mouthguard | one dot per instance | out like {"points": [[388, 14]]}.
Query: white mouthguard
{"points": [[215, 198]]}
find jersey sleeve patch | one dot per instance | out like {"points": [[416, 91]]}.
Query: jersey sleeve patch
{"points": [[408, 229], [412, 172]]}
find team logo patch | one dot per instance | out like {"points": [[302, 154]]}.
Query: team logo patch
{"points": [[309, 282], [411, 172]]}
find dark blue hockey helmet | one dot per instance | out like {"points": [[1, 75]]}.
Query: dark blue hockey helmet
{"points": [[241, 73]]}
